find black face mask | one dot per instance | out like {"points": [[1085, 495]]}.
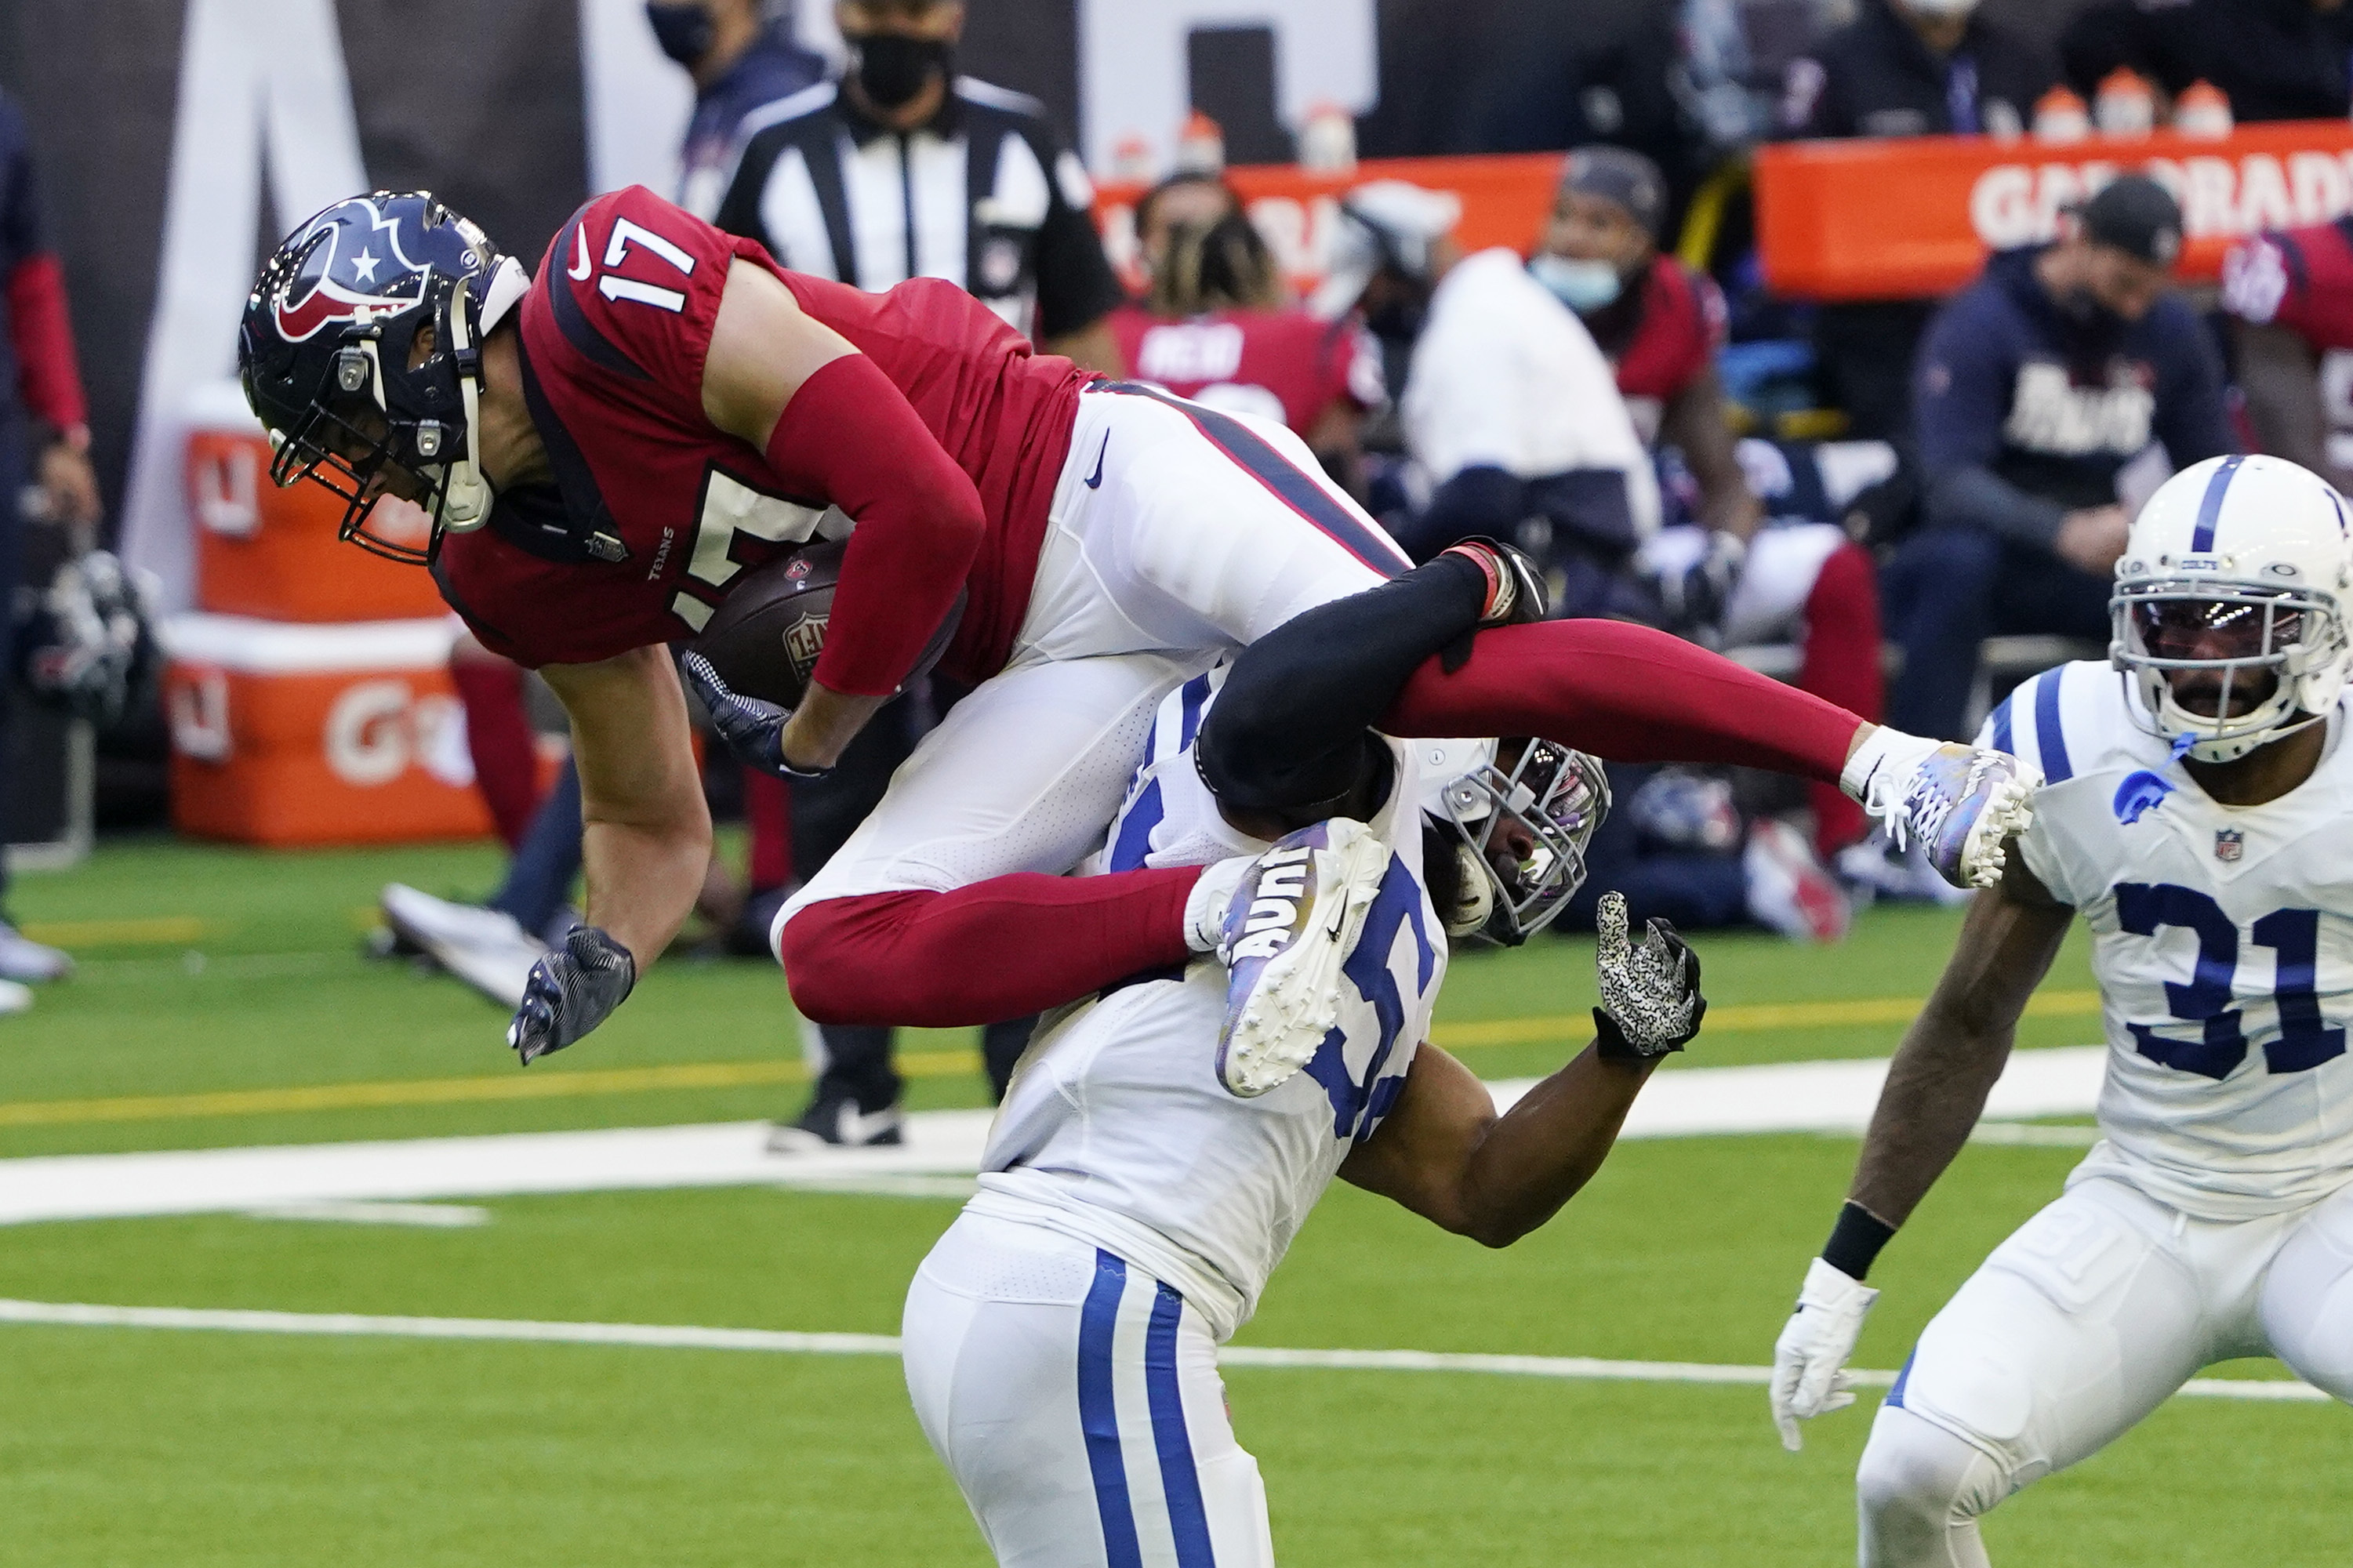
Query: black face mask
{"points": [[684, 32], [892, 67]]}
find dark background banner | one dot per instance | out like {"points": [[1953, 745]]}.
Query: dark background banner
{"points": [[485, 101]]}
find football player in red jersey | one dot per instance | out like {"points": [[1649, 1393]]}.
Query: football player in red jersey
{"points": [[664, 407], [1661, 323], [2291, 294], [1217, 326]]}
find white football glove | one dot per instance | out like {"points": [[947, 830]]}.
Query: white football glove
{"points": [[1809, 1376]]}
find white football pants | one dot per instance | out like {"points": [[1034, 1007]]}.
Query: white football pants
{"points": [[1077, 1403], [2083, 1322], [1177, 533]]}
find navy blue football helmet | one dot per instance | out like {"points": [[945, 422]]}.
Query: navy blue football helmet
{"points": [[330, 358]]}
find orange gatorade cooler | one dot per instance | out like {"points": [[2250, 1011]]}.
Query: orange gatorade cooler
{"points": [[272, 553], [287, 734]]}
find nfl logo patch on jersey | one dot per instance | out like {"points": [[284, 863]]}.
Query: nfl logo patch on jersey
{"points": [[2228, 844]]}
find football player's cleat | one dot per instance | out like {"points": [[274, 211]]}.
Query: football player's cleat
{"points": [[1291, 923], [23, 959], [1959, 803], [483, 947], [1516, 591], [1789, 890], [835, 1121], [15, 998]]}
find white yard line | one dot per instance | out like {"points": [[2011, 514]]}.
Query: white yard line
{"points": [[1798, 1096], [773, 1341]]}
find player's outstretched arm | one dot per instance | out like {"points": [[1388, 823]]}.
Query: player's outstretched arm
{"points": [[828, 418], [1936, 1089], [646, 842], [1444, 1152]]}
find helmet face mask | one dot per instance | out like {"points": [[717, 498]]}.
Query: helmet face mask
{"points": [[360, 353], [1521, 822], [2227, 613]]}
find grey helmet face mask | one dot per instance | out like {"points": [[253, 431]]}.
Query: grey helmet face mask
{"points": [[1522, 820]]}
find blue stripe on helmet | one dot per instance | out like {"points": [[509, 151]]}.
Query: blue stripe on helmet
{"points": [[1180, 1483], [2048, 738], [2209, 505], [1099, 1418]]}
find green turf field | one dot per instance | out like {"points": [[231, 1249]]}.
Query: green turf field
{"points": [[221, 1002]]}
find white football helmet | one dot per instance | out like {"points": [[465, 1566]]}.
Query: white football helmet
{"points": [[1523, 814], [2239, 567]]}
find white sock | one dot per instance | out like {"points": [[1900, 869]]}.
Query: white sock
{"points": [[1882, 749], [1205, 907]]}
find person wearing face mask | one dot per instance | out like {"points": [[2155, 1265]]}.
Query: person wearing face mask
{"points": [[901, 169], [1903, 68], [742, 57], [2035, 387], [1660, 323], [1510, 412]]}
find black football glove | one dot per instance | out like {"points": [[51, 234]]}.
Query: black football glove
{"points": [[751, 730], [1651, 1003], [571, 991]]}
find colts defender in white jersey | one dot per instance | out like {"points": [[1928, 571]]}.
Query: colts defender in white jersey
{"points": [[2195, 815], [1060, 1339]]}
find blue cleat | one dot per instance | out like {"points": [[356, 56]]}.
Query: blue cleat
{"points": [[1960, 804], [1293, 922]]}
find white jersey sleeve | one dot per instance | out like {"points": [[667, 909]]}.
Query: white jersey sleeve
{"points": [[2222, 943], [1115, 1128]]}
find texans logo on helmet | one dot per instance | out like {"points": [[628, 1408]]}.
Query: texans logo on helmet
{"points": [[342, 284]]}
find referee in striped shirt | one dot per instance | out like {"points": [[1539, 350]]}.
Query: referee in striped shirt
{"points": [[902, 169]]}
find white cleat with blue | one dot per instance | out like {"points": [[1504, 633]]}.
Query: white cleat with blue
{"points": [[1290, 925], [1960, 804]]}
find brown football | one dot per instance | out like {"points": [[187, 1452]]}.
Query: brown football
{"points": [[765, 636]]}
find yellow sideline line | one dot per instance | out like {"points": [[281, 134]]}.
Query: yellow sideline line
{"points": [[152, 931], [566, 1085]]}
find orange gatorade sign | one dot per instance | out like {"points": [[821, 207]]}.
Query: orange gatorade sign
{"points": [[288, 734], [1891, 219], [1504, 199]]}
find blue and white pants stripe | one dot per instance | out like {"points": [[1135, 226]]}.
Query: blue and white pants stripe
{"points": [[1076, 1400]]}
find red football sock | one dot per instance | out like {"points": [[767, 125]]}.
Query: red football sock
{"points": [[768, 812], [1627, 693], [997, 949], [1839, 663], [498, 732]]}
